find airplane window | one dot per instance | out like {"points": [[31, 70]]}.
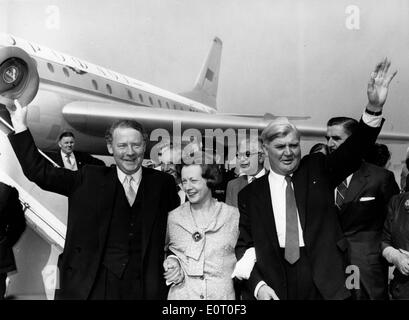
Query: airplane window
{"points": [[150, 100], [174, 106], [130, 94], [65, 70], [141, 97], [94, 84], [50, 67], [167, 105], [160, 103], [109, 89]]}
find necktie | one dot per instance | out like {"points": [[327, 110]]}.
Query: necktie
{"points": [[68, 159], [292, 246], [340, 195], [129, 191]]}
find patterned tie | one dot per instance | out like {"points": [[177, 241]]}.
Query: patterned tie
{"points": [[292, 246], [68, 159], [340, 195], [129, 191]]}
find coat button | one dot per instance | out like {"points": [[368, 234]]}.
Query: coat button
{"points": [[201, 296]]}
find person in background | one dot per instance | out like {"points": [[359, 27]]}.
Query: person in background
{"points": [[319, 147], [404, 173], [361, 201], [12, 225], [395, 244], [68, 158], [379, 155], [250, 159], [201, 236]]}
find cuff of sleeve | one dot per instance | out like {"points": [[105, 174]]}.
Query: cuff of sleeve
{"points": [[258, 286], [371, 120]]}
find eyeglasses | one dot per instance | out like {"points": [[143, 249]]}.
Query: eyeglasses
{"points": [[246, 154]]}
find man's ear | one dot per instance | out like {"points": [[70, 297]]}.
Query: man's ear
{"points": [[109, 147], [60, 144], [265, 150]]}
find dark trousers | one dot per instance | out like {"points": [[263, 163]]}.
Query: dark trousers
{"points": [[300, 283], [109, 286]]}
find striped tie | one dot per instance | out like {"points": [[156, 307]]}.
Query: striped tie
{"points": [[341, 192], [129, 191]]}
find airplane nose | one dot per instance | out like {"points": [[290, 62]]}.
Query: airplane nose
{"points": [[18, 76]]}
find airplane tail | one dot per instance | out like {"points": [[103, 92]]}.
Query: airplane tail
{"points": [[205, 90]]}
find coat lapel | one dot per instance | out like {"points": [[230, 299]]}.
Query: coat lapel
{"points": [[147, 207], [300, 183], [357, 183], [105, 200], [264, 205]]}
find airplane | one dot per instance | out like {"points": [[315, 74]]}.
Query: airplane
{"points": [[63, 92]]}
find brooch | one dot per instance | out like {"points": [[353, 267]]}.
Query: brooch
{"points": [[197, 236], [406, 204]]}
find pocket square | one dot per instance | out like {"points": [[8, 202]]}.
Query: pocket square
{"points": [[366, 199]]}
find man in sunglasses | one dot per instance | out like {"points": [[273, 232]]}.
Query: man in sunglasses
{"points": [[250, 160]]}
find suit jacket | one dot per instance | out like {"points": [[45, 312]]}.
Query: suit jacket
{"points": [[314, 182], [362, 217], [12, 225], [82, 158], [91, 192], [233, 188]]}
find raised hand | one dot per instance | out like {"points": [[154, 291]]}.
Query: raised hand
{"points": [[378, 85], [18, 115]]}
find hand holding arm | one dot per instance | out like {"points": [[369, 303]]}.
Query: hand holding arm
{"points": [[173, 271], [378, 86]]}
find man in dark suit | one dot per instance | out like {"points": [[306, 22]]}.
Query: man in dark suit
{"points": [[66, 157], [362, 200], [12, 225], [289, 215], [250, 157], [117, 216]]}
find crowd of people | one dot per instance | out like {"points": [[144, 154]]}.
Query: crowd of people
{"points": [[288, 233]]}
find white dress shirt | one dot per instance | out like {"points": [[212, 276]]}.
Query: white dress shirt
{"points": [[136, 181], [278, 187], [73, 165]]}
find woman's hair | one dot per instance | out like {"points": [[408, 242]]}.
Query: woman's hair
{"points": [[210, 170]]}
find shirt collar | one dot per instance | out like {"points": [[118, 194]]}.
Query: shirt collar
{"points": [[137, 176], [64, 155], [261, 173], [275, 177]]}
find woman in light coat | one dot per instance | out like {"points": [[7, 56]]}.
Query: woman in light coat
{"points": [[202, 234]]}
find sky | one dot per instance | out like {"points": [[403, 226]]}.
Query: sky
{"points": [[286, 57]]}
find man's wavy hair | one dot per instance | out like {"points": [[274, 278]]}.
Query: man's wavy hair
{"points": [[125, 124]]}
